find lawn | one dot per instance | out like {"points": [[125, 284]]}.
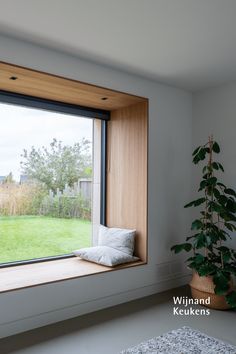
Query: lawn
{"points": [[27, 237]]}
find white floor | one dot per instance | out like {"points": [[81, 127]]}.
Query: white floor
{"points": [[111, 330]]}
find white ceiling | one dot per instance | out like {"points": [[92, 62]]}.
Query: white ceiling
{"points": [[186, 43]]}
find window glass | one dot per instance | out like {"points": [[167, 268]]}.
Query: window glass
{"points": [[46, 183]]}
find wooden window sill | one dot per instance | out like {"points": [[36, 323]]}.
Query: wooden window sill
{"points": [[25, 276]]}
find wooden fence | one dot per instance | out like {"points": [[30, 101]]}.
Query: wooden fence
{"points": [[72, 202], [83, 188]]}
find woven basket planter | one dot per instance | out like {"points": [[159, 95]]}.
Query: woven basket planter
{"points": [[203, 287]]}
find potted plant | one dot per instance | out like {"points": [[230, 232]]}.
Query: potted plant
{"points": [[212, 262]]}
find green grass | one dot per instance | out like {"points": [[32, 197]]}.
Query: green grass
{"points": [[28, 237]]}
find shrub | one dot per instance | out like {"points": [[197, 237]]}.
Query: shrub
{"points": [[21, 199], [66, 207]]}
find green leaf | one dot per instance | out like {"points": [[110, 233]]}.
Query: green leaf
{"points": [[221, 289], [196, 160], [221, 281], [227, 216], [203, 184], [230, 191], [211, 181], [223, 248], [199, 258], [193, 236], [221, 184], [215, 165], [229, 226], [225, 252], [196, 150], [231, 299], [222, 199], [216, 193], [196, 225], [223, 235], [213, 206], [189, 204], [209, 240], [204, 169], [200, 241], [221, 167], [202, 154], [230, 268], [195, 202], [196, 261], [226, 256], [231, 205], [192, 265], [206, 269], [199, 201], [183, 246], [213, 237], [215, 147]]}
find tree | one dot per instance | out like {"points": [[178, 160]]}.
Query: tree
{"points": [[59, 164]]}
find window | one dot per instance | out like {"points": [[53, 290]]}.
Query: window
{"points": [[52, 179], [119, 152]]}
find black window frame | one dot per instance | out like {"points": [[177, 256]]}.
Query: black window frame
{"points": [[71, 109]]}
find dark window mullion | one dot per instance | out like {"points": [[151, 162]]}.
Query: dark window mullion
{"points": [[103, 173], [54, 106]]}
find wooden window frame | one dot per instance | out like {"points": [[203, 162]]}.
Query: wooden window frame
{"points": [[127, 152]]}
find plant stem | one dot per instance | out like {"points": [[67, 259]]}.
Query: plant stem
{"points": [[211, 170], [221, 255], [210, 147], [205, 218], [210, 174]]}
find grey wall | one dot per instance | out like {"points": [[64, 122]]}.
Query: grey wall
{"points": [[169, 183], [214, 112]]}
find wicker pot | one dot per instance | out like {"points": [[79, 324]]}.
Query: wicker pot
{"points": [[203, 288]]}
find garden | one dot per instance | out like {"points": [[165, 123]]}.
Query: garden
{"points": [[48, 212]]}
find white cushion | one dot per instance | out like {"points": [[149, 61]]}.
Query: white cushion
{"points": [[120, 239], [104, 255]]}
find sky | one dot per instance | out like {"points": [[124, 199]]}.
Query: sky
{"points": [[21, 128]]}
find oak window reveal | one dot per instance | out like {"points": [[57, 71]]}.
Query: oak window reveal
{"points": [[52, 163]]}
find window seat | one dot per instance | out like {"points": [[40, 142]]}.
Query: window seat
{"points": [[24, 276]]}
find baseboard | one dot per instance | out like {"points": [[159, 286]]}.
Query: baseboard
{"points": [[46, 318]]}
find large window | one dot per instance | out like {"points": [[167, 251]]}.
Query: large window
{"points": [[47, 175]]}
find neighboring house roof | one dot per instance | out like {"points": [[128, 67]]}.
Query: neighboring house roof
{"points": [[23, 178]]}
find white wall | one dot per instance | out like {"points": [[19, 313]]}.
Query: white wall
{"points": [[214, 112], [170, 144]]}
